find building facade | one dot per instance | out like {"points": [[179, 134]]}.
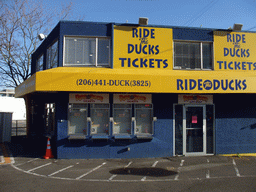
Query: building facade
{"points": [[108, 90], [10, 104]]}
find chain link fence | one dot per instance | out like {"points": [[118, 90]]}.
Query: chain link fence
{"points": [[19, 128]]}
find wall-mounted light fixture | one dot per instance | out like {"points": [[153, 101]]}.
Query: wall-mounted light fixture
{"points": [[143, 21], [41, 36]]}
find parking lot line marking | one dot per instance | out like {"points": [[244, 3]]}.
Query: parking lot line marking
{"points": [[208, 174], [154, 165], [208, 171], [91, 171], [112, 177], [128, 164], [181, 164], [39, 167], [236, 169], [27, 162], [144, 178], [61, 170]]}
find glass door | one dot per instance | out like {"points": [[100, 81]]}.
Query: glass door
{"points": [[194, 130]]}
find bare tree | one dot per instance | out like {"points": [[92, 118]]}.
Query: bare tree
{"points": [[20, 23]]}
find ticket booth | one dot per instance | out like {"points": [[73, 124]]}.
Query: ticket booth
{"points": [[194, 128], [88, 115], [133, 115]]}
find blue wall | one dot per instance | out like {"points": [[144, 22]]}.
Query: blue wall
{"points": [[160, 146], [235, 123], [192, 34]]}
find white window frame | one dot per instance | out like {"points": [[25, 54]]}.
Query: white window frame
{"points": [[201, 55], [96, 52]]}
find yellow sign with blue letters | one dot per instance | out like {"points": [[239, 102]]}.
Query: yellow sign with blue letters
{"points": [[143, 63], [234, 51], [142, 47], [77, 79]]}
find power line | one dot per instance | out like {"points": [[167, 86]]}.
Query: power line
{"points": [[251, 28], [202, 11]]}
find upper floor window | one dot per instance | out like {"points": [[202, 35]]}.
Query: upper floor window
{"points": [[81, 51], [52, 56], [192, 55], [40, 63]]}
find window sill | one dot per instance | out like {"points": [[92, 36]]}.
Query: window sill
{"points": [[76, 136], [89, 66], [99, 136], [144, 136], [189, 69], [122, 136]]}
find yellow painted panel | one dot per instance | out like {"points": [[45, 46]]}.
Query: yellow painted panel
{"points": [[143, 48], [234, 51], [26, 87], [144, 81]]}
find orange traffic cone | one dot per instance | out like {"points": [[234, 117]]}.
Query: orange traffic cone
{"points": [[48, 153]]}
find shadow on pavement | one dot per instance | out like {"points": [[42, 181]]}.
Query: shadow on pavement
{"points": [[152, 171]]}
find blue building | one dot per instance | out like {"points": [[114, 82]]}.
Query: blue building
{"points": [[109, 90]]}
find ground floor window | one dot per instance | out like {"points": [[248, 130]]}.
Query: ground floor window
{"points": [[133, 114], [122, 119], [100, 114], [78, 119], [144, 116], [89, 115]]}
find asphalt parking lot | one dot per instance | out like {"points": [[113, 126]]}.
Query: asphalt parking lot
{"points": [[239, 173], [139, 170]]}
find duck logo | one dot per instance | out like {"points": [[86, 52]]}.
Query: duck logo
{"points": [[207, 85]]}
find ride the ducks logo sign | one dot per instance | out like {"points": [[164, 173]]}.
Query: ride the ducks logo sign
{"points": [[142, 47], [234, 51]]}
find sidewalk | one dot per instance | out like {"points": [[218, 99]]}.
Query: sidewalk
{"points": [[18, 147], [5, 154]]}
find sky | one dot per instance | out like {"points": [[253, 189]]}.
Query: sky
{"points": [[220, 14]]}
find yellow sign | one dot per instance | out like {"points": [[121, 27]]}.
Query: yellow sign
{"points": [[142, 47], [234, 51], [76, 79]]}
